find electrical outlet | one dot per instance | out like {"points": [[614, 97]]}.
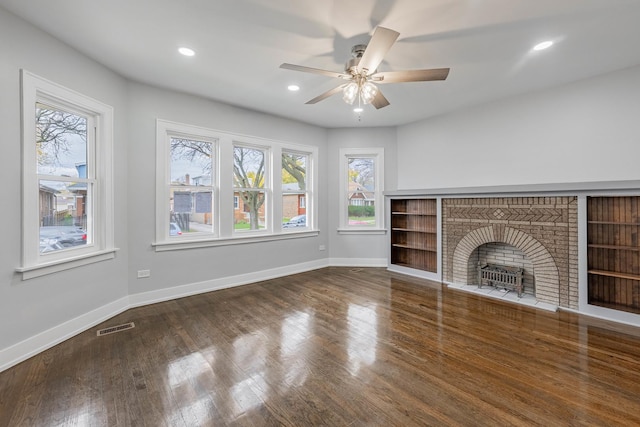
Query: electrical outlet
{"points": [[321, 248], [144, 273]]}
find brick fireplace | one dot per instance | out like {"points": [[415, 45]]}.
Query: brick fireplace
{"points": [[539, 234]]}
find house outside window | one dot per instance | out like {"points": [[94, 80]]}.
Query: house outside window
{"points": [[361, 187], [67, 178]]}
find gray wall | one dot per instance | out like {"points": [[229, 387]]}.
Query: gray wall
{"points": [[30, 307], [175, 268], [364, 246], [582, 132]]}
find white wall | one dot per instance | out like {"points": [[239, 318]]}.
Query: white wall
{"points": [[182, 267], [30, 307], [583, 132], [365, 249]]}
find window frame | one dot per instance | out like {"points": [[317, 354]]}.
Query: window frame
{"points": [[266, 188], [224, 207], [307, 194], [377, 154], [100, 224]]}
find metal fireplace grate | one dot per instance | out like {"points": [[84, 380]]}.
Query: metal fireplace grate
{"points": [[114, 329]]}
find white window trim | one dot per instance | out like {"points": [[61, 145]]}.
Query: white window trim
{"points": [[37, 89], [223, 205], [376, 153], [164, 132], [308, 193], [266, 188]]}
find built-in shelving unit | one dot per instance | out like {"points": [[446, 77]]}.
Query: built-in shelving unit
{"points": [[414, 234], [613, 242]]}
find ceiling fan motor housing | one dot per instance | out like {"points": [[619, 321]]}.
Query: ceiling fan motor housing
{"points": [[356, 54]]}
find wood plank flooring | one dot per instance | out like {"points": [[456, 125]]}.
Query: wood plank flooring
{"points": [[334, 347]]}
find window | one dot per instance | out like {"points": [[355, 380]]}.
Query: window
{"points": [[215, 188], [191, 186], [250, 185], [67, 180], [294, 189], [361, 180]]}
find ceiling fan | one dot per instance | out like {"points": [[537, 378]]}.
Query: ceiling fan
{"points": [[361, 72]]}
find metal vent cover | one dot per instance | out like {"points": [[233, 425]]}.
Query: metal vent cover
{"points": [[114, 329]]}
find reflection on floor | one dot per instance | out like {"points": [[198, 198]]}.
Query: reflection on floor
{"points": [[506, 295]]}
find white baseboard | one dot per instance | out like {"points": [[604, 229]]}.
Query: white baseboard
{"points": [[358, 262], [152, 297], [23, 350]]}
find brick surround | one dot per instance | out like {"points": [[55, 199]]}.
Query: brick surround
{"points": [[545, 229]]}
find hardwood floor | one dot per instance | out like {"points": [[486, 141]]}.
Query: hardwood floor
{"points": [[335, 347]]}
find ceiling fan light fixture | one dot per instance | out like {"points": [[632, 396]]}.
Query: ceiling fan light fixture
{"points": [[368, 92], [350, 93], [358, 110]]}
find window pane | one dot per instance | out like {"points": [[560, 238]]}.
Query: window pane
{"points": [[191, 211], [249, 172], [62, 214], [294, 172], [191, 162], [294, 186], [250, 215], [361, 191], [248, 168], [61, 142]]}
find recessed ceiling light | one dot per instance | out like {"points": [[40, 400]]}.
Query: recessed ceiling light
{"points": [[293, 88], [543, 45], [357, 110], [186, 51]]}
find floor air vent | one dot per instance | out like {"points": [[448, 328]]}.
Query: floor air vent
{"points": [[114, 329]]}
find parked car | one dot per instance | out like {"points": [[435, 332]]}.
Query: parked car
{"points": [[296, 221], [49, 245], [65, 235], [174, 229]]}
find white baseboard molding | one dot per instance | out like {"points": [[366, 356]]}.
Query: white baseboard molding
{"points": [[23, 350], [152, 297], [358, 262]]}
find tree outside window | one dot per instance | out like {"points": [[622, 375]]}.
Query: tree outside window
{"points": [[249, 185]]}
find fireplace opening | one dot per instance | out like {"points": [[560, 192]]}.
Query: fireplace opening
{"points": [[501, 254]]}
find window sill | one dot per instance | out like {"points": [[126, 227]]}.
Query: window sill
{"points": [[194, 244], [362, 231], [33, 271]]}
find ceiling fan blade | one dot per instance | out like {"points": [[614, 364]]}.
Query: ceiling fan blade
{"points": [[314, 71], [380, 43], [326, 94], [411, 76], [379, 101]]}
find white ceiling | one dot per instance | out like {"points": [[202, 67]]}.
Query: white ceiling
{"points": [[240, 45]]}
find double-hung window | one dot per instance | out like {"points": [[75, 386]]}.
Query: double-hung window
{"points": [[251, 186], [218, 188], [67, 178], [295, 166], [187, 191], [361, 187]]}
